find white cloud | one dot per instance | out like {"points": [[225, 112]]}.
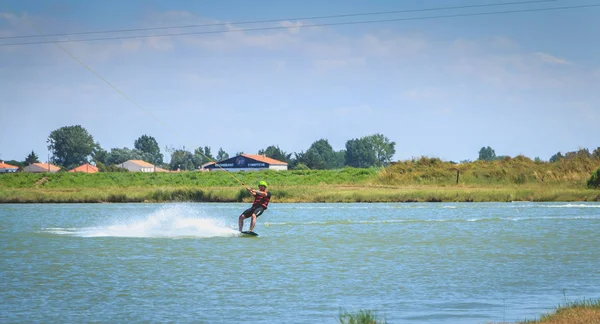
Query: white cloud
{"points": [[547, 58], [293, 27], [9, 17]]}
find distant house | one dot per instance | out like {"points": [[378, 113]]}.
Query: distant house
{"points": [[246, 162], [87, 168], [41, 167], [7, 168], [137, 166]]}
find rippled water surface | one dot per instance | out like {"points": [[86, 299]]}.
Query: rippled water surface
{"points": [[409, 263]]}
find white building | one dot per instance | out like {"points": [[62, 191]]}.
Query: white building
{"points": [[137, 166], [41, 167]]}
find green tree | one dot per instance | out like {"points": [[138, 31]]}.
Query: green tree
{"points": [[311, 159], [71, 145], [109, 168], [384, 149], [120, 155], [32, 158], [320, 155], [360, 153], [222, 155], [276, 153], [201, 156], [101, 155], [150, 149], [208, 154], [368, 151], [487, 154], [183, 160], [339, 159], [556, 157], [596, 154]]}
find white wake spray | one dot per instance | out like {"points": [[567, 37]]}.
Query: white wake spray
{"points": [[170, 221]]}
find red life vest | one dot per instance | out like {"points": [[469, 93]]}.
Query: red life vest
{"points": [[262, 200]]}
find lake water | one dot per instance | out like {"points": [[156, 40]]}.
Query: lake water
{"points": [[184, 262]]}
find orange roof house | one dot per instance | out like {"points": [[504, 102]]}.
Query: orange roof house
{"points": [[6, 168], [87, 168], [247, 162], [41, 167]]}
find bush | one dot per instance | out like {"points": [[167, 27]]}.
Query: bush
{"points": [[594, 181]]}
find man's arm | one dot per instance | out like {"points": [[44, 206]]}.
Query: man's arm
{"points": [[260, 193]]}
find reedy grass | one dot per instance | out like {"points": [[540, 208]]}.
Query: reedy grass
{"points": [[360, 317], [586, 311], [573, 172], [294, 194]]}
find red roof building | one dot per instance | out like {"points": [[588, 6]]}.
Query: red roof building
{"points": [[7, 168], [87, 168]]}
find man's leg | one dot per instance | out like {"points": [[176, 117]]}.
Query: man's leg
{"points": [[241, 222], [253, 222], [255, 213]]}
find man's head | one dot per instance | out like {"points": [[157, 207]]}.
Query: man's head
{"points": [[262, 185]]}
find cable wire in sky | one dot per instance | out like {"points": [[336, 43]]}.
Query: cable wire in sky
{"points": [[304, 26], [278, 20]]}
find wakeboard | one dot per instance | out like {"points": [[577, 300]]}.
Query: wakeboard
{"points": [[249, 233]]}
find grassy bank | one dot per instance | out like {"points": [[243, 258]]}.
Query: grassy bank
{"points": [[586, 311], [291, 194], [422, 180], [578, 312]]}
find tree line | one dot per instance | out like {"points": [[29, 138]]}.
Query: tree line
{"points": [[488, 154], [72, 146]]}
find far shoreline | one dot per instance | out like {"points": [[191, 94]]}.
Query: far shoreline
{"points": [[301, 194]]}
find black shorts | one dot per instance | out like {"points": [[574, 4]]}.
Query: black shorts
{"points": [[258, 210]]}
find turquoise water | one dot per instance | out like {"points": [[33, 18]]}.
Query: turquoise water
{"points": [[409, 263]]}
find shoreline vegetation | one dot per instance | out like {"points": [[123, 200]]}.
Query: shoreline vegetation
{"points": [[579, 312], [419, 180]]}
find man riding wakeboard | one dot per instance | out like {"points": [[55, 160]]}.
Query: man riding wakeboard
{"points": [[261, 201]]}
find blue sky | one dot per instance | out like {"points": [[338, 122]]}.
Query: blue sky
{"points": [[523, 83]]}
